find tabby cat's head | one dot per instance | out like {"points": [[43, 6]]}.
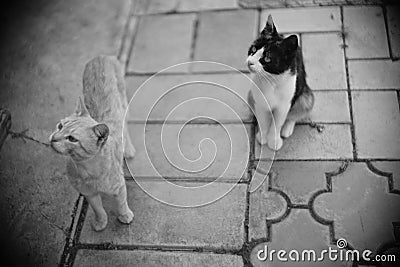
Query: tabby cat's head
{"points": [[78, 135], [271, 52]]}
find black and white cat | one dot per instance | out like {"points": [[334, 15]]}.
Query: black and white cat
{"points": [[281, 91]]}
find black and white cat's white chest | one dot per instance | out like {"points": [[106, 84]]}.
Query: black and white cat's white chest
{"points": [[278, 89]]}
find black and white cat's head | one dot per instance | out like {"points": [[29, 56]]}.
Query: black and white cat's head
{"points": [[271, 52]]}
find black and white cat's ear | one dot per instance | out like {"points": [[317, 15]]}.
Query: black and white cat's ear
{"points": [[101, 131], [291, 43], [269, 28], [81, 109]]}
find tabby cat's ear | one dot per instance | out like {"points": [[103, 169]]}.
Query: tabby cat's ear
{"points": [[101, 131], [269, 28], [81, 108]]}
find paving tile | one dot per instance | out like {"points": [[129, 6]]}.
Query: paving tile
{"points": [[361, 207], [377, 124], [334, 142], [299, 180], [366, 34], [155, 6], [394, 29], [290, 20], [190, 101], [225, 37], [330, 106], [181, 153], [198, 5], [217, 225], [324, 70], [374, 74], [392, 167], [299, 231], [153, 258], [303, 3], [154, 49], [264, 205]]}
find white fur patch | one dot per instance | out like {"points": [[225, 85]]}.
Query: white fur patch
{"points": [[277, 89]]}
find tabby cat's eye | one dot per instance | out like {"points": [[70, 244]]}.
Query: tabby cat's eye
{"points": [[59, 126], [72, 139], [253, 49]]}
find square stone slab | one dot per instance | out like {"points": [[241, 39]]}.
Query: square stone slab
{"points": [[211, 98], [374, 74], [393, 21], [217, 225], [199, 5], [331, 107], [143, 7], [334, 142], [324, 60], [161, 41], [377, 124], [225, 37], [181, 153], [365, 32], [290, 20], [99, 258]]}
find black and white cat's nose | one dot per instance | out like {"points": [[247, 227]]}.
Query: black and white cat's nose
{"points": [[250, 63]]}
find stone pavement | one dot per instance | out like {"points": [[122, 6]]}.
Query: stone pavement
{"points": [[340, 180]]}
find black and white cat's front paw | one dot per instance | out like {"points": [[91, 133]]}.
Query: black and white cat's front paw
{"points": [[272, 142], [275, 143], [261, 139], [287, 129]]}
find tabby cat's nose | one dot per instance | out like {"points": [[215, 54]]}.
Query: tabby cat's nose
{"points": [[52, 139]]}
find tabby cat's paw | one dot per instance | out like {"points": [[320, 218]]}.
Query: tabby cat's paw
{"points": [[99, 225], [126, 218], [129, 152], [275, 143], [261, 140]]}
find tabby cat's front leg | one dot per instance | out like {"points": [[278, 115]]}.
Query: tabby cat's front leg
{"points": [[100, 215], [129, 149], [125, 214]]}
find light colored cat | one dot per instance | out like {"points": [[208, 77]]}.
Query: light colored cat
{"points": [[277, 68], [92, 138]]}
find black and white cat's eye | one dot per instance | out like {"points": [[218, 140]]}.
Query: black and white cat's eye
{"points": [[252, 50], [72, 139], [59, 126]]}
